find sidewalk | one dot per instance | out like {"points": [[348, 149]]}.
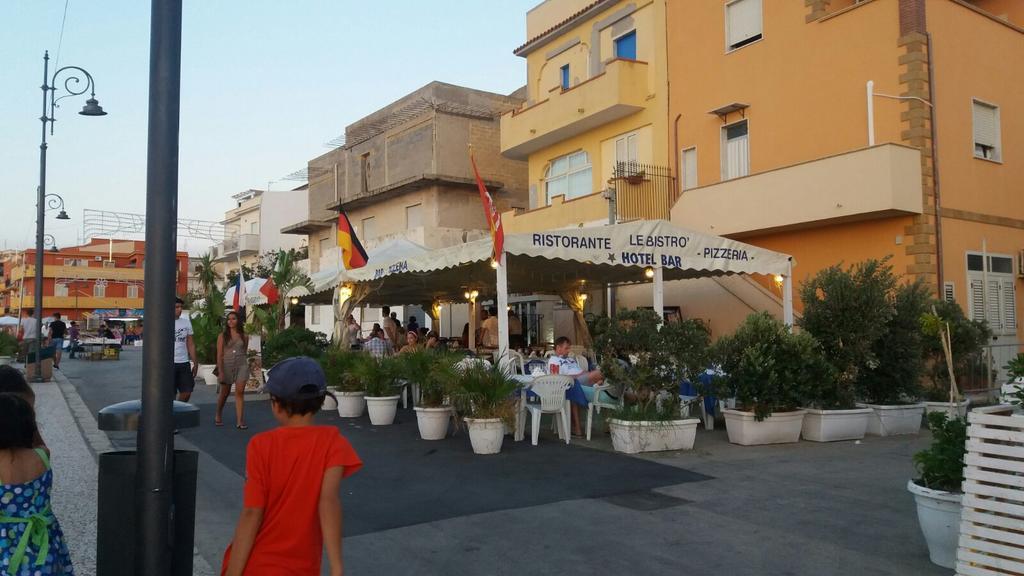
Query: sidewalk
{"points": [[69, 429]]}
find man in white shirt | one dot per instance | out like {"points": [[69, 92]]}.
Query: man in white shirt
{"points": [[184, 350], [389, 326], [562, 363], [489, 329], [29, 327]]}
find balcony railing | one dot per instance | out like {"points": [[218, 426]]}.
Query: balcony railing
{"points": [[241, 245], [643, 191], [617, 92]]}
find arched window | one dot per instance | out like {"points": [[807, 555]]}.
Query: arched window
{"points": [[570, 176]]}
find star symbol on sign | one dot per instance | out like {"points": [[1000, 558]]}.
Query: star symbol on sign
{"points": [[611, 257]]}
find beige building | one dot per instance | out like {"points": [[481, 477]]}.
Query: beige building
{"points": [[404, 173], [253, 226]]}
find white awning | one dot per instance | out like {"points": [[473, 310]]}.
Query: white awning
{"points": [[252, 292], [395, 250]]}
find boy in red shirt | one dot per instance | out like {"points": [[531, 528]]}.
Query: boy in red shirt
{"points": [[293, 475]]}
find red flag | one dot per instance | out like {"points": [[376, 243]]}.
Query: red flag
{"points": [[269, 289], [352, 254], [490, 213]]}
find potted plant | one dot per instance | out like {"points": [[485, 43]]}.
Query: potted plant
{"points": [[379, 378], [937, 492], [343, 380], [965, 339], [772, 372], [484, 395], [206, 326], [847, 311], [432, 373], [662, 355], [8, 348], [1013, 391]]}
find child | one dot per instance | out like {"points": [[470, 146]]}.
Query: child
{"points": [[31, 541], [293, 474], [12, 382]]}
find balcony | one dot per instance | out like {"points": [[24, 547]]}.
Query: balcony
{"points": [[236, 247], [79, 273], [871, 183], [617, 92]]}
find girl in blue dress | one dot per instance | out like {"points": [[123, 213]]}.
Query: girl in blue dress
{"points": [[31, 542]]}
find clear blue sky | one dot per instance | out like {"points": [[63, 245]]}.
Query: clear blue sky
{"points": [[264, 85]]}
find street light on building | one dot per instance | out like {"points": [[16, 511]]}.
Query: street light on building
{"points": [[73, 86]]}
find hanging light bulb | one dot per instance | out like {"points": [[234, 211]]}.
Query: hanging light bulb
{"points": [[494, 264], [649, 272], [778, 279], [583, 297]]}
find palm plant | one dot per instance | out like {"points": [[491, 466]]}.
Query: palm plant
{"points": [[485, 392], [206, 272], [286, 276], [207, 325], [378, 376], [433, 372]]}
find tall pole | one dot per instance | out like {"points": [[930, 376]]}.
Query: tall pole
{"points": [[40, 223], [155, 439]]}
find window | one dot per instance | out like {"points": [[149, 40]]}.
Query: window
{"points": [[60, 289], [325, 246], [369, 228], [133, 290], [948, 292], [254, 228], [564, 74], [625, 46], [109, 264], [735, 151], [76, 262], [315, 315], [364, 172], [688, 166], [569, 176], [413, 216], [99, 289], [992, 292], [626, 148], [986, 132], [742, 23]]}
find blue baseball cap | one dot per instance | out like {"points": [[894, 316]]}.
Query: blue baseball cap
{"points": [[297, 378]]}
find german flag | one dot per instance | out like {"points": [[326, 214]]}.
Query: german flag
{"points": [[352, 253]]}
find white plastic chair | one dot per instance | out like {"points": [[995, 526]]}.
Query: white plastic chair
{"points": [[551, 391], [517, 361], [597, 404]]}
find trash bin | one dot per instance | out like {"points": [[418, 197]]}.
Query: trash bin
{"points": [[116, 526]]}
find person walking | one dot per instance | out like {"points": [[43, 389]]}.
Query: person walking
{"points": [[32, 541], [184, 350], [291, 507], [29, 332], [58, 331], [74, 334], [232, 368]]}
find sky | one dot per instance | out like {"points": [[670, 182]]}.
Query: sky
{"points": [[264, 84]]}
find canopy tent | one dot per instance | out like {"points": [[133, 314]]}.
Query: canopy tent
{"points": [[6, 321], [562, 262]]}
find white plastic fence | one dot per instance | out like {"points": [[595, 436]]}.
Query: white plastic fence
{"points": [[992, 520]]}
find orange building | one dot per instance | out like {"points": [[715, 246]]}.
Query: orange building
{"points": [[840, 130], [101, 275]]}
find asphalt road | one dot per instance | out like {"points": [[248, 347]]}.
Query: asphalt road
{"points": [[422, 507]]}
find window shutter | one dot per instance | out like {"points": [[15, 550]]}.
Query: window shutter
{"points": [[948, 292], [689, 168], [737, 157], [985, 128], [744, 21], [994, 318], [1009, 305], [977, 299]]}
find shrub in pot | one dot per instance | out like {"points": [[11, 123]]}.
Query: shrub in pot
{"points": [[661, 355], [432, 374], [772, 372], [484, 396], [293, 341], [340, 367], [937, 492], [379, 377], [8, 347]]}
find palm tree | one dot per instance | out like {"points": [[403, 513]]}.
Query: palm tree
{"points": [[207, 274], [287, 276]]}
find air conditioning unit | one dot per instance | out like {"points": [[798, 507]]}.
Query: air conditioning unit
{"points": [[98, 258], [1020, 263]]}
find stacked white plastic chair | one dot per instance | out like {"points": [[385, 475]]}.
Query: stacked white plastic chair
{"points": [[550, 390]]}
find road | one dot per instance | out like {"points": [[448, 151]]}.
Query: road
{"points": [[423, 507]]}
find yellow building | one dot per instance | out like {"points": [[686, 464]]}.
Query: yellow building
{"points": [[596, 97]]}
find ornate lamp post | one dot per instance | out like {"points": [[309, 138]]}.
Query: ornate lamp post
{"points": [[72, 80]]}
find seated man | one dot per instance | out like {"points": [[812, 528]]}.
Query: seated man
{"points": [[377, 345], [568, 365]]}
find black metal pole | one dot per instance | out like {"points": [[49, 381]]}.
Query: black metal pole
{"points": [[40, 223], [155, 438]]}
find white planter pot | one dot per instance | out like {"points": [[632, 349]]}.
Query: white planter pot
{"points": [[486, 434], [631, 437], [206, 373], [835, 425], [6, 360], [350, 404], [330, 403], [433, 422], [938, 512], [779, 428], [382, 410], [894, 420], [961, 407]]}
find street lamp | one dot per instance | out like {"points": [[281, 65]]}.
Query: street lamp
{"points": [[92, 108]]}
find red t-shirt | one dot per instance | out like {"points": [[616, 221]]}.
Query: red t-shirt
{"points": [[284, 470]]}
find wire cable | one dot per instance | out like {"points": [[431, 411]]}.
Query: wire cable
{"points": [[60, 40]]}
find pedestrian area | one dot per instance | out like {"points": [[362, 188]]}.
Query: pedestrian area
{"points": [[420, 507]]}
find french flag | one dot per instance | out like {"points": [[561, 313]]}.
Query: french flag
{"points": [[239, 301]]}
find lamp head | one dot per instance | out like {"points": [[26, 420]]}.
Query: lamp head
{"points": [[295, 300], [92, 108], [649, 272], [63, 216]]}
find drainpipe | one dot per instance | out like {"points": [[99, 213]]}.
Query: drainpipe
{"points": [[939, 272], [676, 153]]}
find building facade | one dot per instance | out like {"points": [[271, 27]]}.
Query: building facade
{"points": [[77, 281], [253, 227]]}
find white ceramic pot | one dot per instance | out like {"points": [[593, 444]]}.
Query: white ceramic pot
{"points": [[631, 437], [486, 434], [206, 373], [382, 410], [894, 420], [779, 428], [961, 407], [6, 360], [350, 404], [938, 513], [433, 422], [330, 403], [835, 425]]}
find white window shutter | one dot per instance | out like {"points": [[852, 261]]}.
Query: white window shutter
{"points": [[985, 128], [948, 292], [977, 299], [737, 157], [1009, 305], [994, 319], [689, 168], [743, 20]]}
